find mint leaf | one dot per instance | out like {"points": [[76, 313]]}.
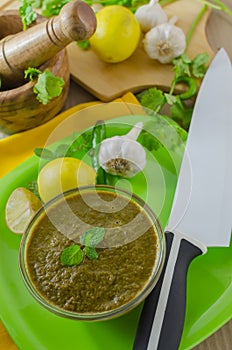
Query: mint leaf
{"points": [[91, 253], [48, 86], [72, 255], [92, 237]]}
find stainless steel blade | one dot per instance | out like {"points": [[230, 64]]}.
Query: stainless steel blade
{"points": [[202, 206]]}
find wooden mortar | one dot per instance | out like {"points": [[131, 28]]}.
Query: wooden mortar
{"points": [[19, 108]]}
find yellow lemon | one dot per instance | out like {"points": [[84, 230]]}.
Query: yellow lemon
{"points": [[20, 209], [62, 174], [117, 34]]}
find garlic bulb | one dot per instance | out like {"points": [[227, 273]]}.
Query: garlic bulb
{"points": [[150, 15], [165, 42], [123, 155], [96, 7]]}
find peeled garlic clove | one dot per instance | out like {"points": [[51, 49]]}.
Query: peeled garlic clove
{"points": [[150, 15], [165, 42], [123, 155]]}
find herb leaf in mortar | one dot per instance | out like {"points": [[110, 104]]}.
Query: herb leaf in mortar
{"points": [[48, 85]]}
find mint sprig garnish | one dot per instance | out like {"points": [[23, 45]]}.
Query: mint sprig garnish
{"points": [[74, 254], [92, 237]]}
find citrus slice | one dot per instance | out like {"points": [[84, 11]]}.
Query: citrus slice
{"points": [[20, 209], [62, 174]]}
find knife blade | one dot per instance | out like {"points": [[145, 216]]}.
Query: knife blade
{"points": [[201, 210]]}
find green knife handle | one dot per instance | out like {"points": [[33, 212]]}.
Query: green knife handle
{"points": [[163, 330]]}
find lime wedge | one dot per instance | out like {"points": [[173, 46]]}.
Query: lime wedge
{"points": [[20, 208]]}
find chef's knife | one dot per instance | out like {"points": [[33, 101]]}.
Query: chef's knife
{"points": [[201, 211]]}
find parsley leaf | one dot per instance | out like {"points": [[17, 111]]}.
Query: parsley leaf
{"points": [[180, 113], [52, 7], [26, 12], [32, 73], [72, 255], [182, 65], [48, 87], [152, 99], [199, 65]]}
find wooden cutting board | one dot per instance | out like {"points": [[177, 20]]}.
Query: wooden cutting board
{"points": [[108, 81]]}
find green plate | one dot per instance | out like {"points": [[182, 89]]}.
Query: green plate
{"points": [[209, 287]]}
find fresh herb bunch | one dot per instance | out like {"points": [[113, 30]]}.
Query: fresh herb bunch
{"points": [[47, 8], [81, 144], [187, 71], [48, 85], [75, 253]]}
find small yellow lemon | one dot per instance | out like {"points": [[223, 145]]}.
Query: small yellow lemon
{"points": [[117, 34], [62, 174], [20, 209]]}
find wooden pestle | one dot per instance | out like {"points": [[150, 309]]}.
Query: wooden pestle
{"points": [[39, 43]]}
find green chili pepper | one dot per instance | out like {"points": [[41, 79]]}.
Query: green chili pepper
{"points": [[192, 87], [98, 134]]}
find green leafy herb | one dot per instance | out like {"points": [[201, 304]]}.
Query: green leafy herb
{"points": [[91, 253], [181, 113], [48, 85], [51, 8], [32, 73], [83, 44], [26, 12], [98, 135], [199, 65], [81, 144], [92, 237], [44, 153], [181, 65], [72, 255], [152, 99], [186, 72]]}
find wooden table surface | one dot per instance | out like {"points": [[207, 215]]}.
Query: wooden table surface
{"points": [[218, 31]]}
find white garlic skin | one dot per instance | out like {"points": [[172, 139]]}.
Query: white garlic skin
{"points": [[123, 155], [165, 42], [96, 7], [150, 15]]}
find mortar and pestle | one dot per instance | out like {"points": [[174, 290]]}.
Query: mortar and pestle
{"points": [[42, 46]]}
